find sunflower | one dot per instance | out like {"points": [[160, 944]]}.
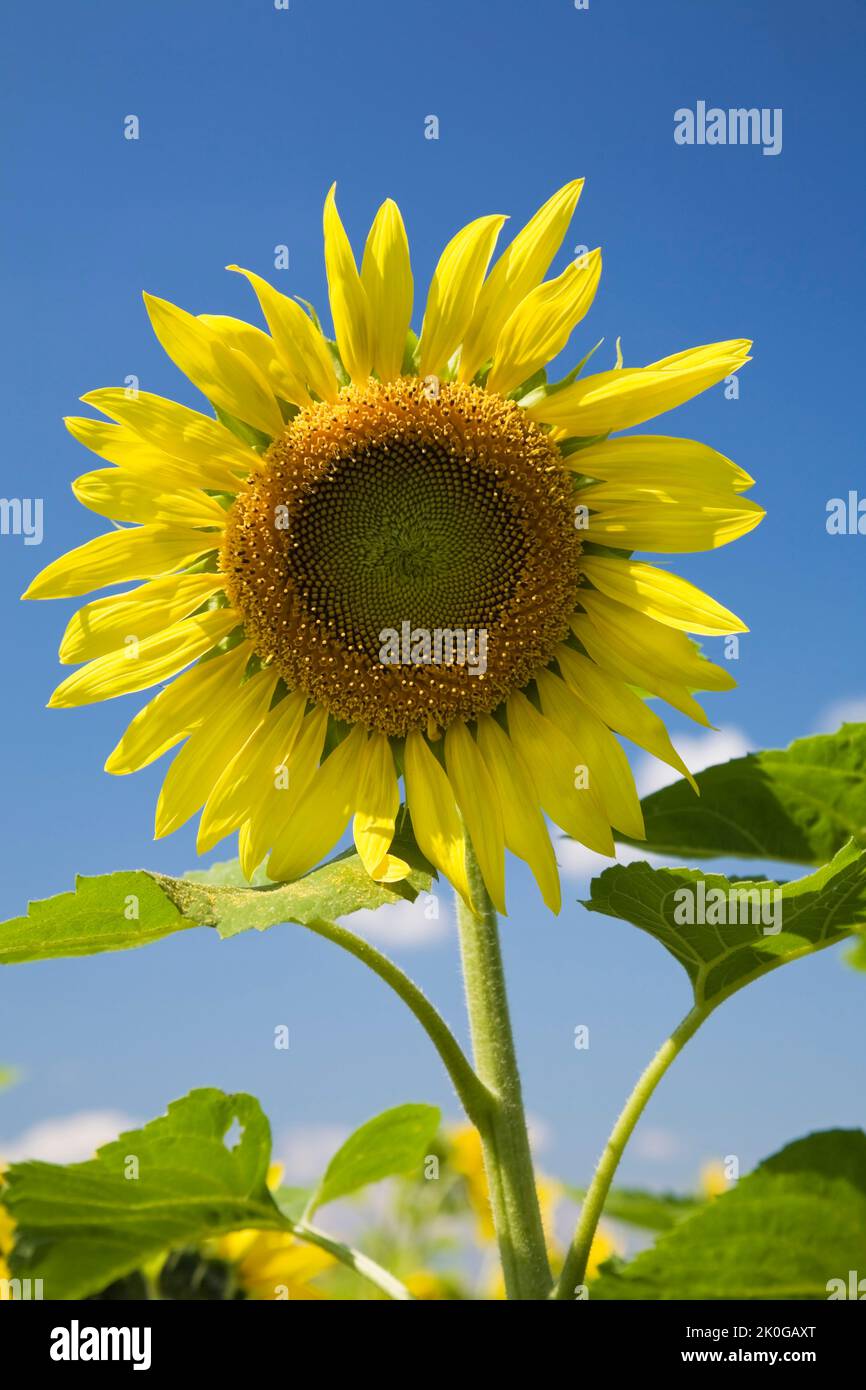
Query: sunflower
{"points": [[273, 1265], [389, 557]]}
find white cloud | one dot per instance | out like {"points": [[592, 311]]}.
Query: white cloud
{"points": [[67, 1139], [697, 752], [851, 710], [578, 862], [305, 1150], [403, 924], [657, 1145], [540, 1133]]}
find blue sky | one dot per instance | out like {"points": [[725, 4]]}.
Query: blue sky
{"points": [[246, 116]]}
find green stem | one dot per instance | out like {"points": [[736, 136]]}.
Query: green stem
{"points": [[574, 1269], [472, 1093], [353, 1259], [504, 1137]]}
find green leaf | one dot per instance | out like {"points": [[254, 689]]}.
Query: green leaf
{"points": [[651, 1211], [856, 957], [257, 439], [396, 1141], [293, 1202], [81, 1226], [812, 912], [336, 889], [784, 1232], [799, 804], [115, 912], [410, 355]]}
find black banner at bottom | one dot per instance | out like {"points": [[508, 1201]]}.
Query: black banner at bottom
{"points": [[82, 1339]]}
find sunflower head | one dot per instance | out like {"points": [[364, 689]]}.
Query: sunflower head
{"points": [[382, 559], [413, 506]]}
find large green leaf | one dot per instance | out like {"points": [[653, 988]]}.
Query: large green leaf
{"points": [[180, 1179], [335, 890], [115, 912], [799, 804], [197, 1172], [814, 912], [651, 1211], [783, 1232], [396, 1141]]}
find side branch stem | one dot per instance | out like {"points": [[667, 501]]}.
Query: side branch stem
{"points": [[574, 1269], [471, 1091]]}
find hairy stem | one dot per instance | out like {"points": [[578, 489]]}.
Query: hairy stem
{"points": [[507, 1158], [574, 1269], [471, 1091]]}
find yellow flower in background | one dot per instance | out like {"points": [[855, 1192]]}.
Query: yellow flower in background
{"points": [[713, 1179], [603, 1246], [427, 1286], [466, 1157], [7, 1239], [274, 1265], [390, 558]]}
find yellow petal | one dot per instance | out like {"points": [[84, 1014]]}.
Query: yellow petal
{"points": [[525, 831], [542, 323], [195, 770], [320, 814], [138, 553], [249, 777], [289, 780], [519, 269], [228, 378], [297, 339], [260, 349], [177, 710], [666, 520], [546, 750], [597, 749], [617, 661], [349, 308], [143, 463], [454, 291], [117, 444], [618, 399], [217, 459], [386, 274], [619, 707], [660, 595], [377, 804], [146, 496], [435, 819], [658, 460], [141, 664], [660, 649], [475, 792], [390, 869], [104, 625]]}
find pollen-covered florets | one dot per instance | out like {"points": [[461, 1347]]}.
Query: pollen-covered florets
{"points": [[407, 555]]}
